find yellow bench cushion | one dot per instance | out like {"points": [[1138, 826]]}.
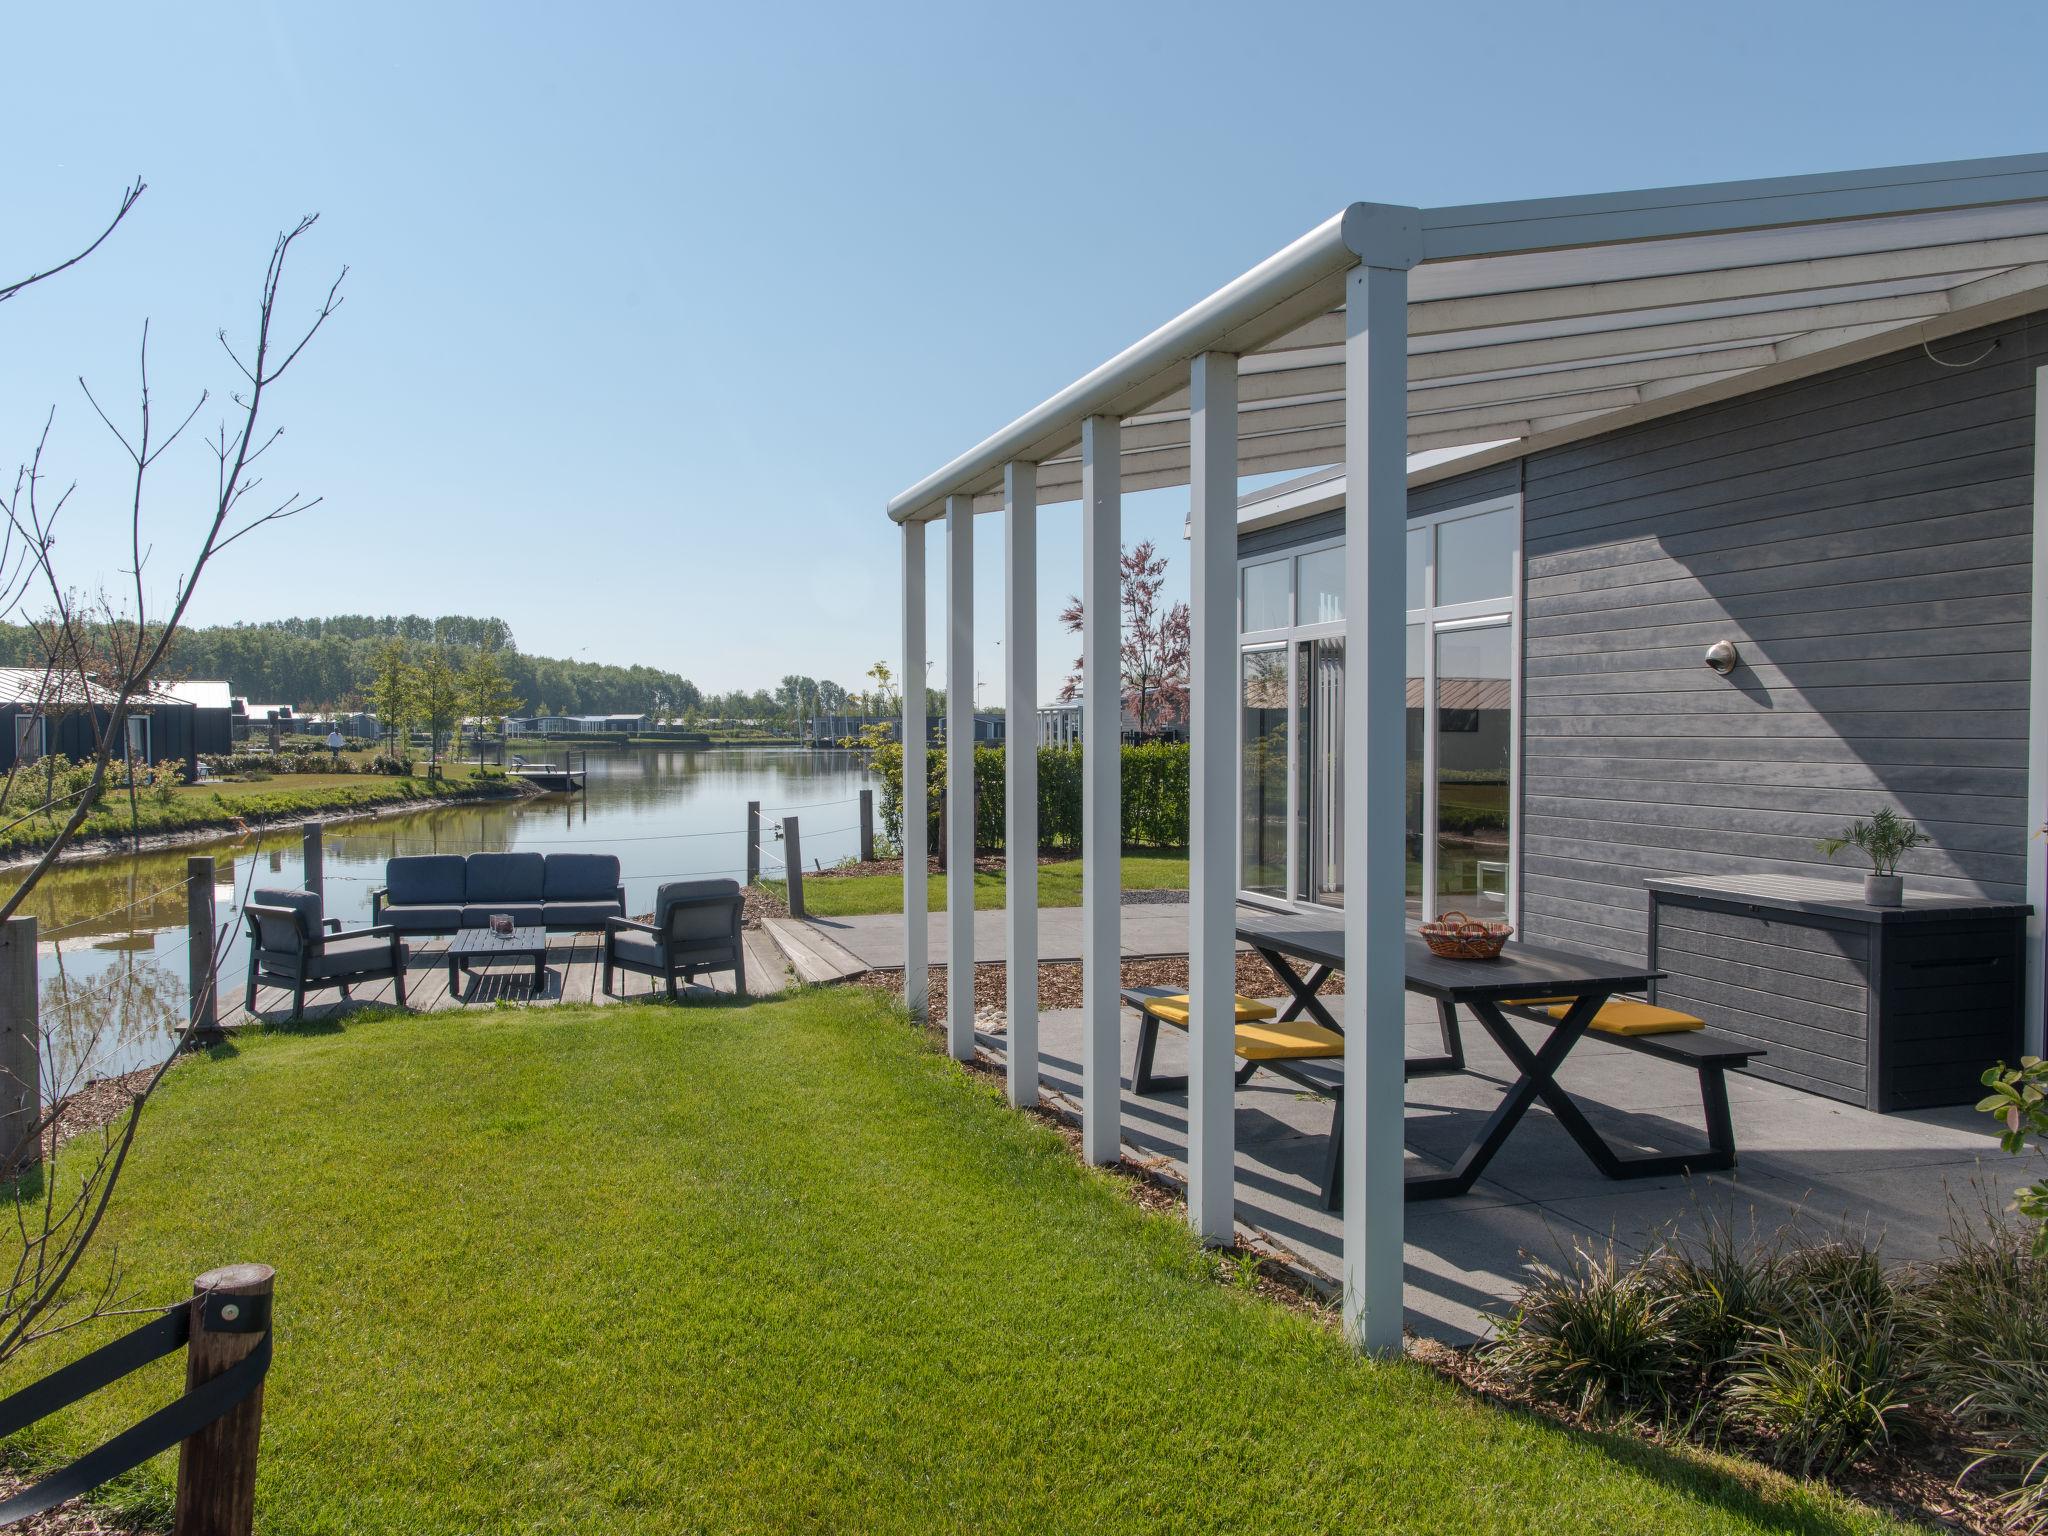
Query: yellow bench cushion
{"points": [[1534, 1002], [1619, 1016], [1297, 1040], [1175, 1009]]}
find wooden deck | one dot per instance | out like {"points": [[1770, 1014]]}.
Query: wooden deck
{"points": [[574, 975]]}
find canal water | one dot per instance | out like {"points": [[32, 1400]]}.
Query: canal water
{"points": [[113, 954]]}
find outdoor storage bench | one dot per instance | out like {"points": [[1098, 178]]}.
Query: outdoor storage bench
{"points": [[447, 892]]}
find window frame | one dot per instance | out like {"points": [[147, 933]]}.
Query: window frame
{"points": [[1478, 613]]}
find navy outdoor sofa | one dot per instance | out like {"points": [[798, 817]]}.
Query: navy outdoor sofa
{"points": [[447, 892]]}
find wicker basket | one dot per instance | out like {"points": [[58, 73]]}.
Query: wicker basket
{"points": [[1458, 937]]}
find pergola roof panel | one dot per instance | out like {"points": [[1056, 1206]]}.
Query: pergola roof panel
{"points": [[1560, 316]]}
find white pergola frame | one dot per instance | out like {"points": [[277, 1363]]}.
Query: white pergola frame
{"points": [[1386, 331]]}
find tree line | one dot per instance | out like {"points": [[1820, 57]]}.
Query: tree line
{"points": [[334, 663]]}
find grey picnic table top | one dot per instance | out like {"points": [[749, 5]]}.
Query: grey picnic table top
{"points": [[1523, 970]]}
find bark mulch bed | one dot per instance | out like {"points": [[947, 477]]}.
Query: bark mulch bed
{"points": [[1917, 1481], [1059, 982]]}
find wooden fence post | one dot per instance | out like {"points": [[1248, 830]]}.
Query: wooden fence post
{"points": [[217, 1466], [200, 918], [315, 863], [793, 865], [21, 1049], [867, 825], [753, 842]]}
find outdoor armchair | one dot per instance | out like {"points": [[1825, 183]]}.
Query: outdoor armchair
{"points": [[696, 928], [291, 945]]}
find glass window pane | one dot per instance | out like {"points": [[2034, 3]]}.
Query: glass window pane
{"points": [[1263, 604], [1320, 583], [1416, 715], [1474, 733], [1418, 567], [1475, 557], [1262, 839], [1323, 701]]}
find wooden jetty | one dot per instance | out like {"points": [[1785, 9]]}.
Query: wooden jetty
{"points": [[548, 776]]}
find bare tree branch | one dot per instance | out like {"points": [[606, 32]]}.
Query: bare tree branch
{"points": [[129, 198]]}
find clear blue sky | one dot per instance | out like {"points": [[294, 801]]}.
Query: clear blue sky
{"points": [[650, 309]]}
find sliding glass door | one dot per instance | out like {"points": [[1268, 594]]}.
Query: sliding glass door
{"points": [[1462, 682]]}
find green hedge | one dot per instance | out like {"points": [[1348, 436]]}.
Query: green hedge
{"points": [[1155, 795]]}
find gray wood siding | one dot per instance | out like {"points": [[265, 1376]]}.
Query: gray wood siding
{"points": [[1864, 538]]}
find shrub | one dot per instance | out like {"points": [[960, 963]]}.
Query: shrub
{"points": [[2018, 1101], [1593, 1336], [1154, 783], [384, 762], [164, 779], [1723, 1290], [1825, 1379], [1980, 1323]]}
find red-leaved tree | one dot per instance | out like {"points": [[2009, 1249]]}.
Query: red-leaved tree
{"points": [[1154, 653]]}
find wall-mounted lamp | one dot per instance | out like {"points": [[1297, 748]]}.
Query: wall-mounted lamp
{"points": [[1723, 657]]}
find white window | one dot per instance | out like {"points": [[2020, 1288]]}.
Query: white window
{"points": [[1464, 689]]}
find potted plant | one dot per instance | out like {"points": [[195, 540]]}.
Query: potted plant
{"points": [[1884, 840]]}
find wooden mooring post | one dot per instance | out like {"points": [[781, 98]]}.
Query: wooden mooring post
{"points": [[217, 1466], [314, 862], [21, 1049], [793, 864], [200, 918], [867, 826], [753, 842]]}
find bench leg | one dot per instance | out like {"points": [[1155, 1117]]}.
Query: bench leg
{"points": [[1333, 1158], [1143, 1079], [1718, 1157]]}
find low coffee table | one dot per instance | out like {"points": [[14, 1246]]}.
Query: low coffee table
{"points": [[474, 944]]}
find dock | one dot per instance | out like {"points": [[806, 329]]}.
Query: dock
{"points": [[548, 776]]}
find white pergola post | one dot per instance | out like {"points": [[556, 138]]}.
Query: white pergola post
{"points": [[916, 938], [1212, 786], [1020, 779], [960, 777], [1375, 786], [1101, 787]]}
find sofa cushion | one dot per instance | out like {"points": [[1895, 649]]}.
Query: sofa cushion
{"points": [[582, 877], [581, 914], [352, 954], [636, 949], [503, 877], [524, 914], [417, 878], [424, 917], [285, 935]]}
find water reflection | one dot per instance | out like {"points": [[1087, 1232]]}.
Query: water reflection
{"points": [[113, 953]]}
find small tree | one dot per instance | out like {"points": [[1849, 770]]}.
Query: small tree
{"points": [[487, 694], [392, 692], [1157, 645], [439, 701], [2018, 1101]]}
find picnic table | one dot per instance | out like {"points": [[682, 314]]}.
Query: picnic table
{"points": [[1305, 949]]}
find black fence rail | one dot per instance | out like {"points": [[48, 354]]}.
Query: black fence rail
{"points": [[225, 1331]]}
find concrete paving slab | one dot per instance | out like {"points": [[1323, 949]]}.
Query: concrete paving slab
{"points": [[1807, 1163]]}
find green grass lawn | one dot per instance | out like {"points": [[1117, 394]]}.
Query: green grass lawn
{"points": [[1059, 885], [770, 1268]]}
